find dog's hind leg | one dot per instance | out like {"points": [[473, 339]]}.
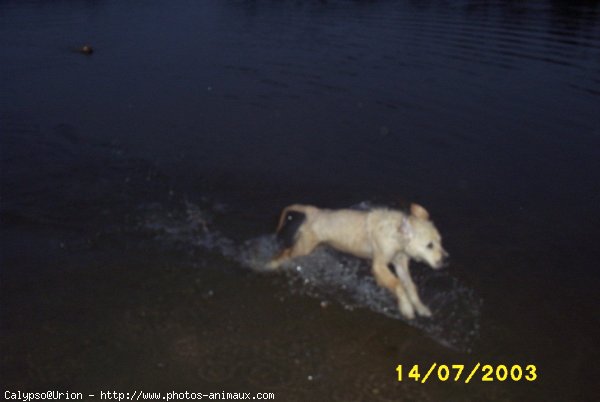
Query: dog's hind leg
{"points": [[401, 268], [290, 221], [279, 258], [304, 245]]}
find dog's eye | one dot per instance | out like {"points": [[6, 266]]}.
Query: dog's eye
{"points": [[430, 245]]}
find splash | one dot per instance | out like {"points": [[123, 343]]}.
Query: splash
{"points": [[327, 274], [330, 275]]}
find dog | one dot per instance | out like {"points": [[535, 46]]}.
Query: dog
{"points": [[389, 238]]}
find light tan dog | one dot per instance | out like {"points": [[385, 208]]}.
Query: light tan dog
{"points": [[387, 237]]}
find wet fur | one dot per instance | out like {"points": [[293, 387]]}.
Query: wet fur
{"points": [[384, 236]]}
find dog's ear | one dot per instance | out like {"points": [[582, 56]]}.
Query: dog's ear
{"points": [[419, 211], [405, 228]]}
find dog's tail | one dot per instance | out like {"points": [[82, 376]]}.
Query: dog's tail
{"points": [[290, 220]]}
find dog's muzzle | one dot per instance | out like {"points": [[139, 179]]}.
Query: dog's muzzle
{"points": [[444, 262]]}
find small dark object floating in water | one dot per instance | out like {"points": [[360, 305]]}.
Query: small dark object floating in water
{"points": [[86, 49]]}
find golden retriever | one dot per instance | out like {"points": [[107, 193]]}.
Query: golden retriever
{"points": [[388, 237]]}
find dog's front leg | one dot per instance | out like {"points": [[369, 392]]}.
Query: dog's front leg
{"points": [[404, 304], [386, 279], [401, 267]]}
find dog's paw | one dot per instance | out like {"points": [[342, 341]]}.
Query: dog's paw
{"points": [[423, 310], [406, 309], [273, 264]]}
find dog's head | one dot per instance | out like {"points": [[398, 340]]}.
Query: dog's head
{"points": [[424, 240]]}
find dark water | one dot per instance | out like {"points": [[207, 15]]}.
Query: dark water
{"points": [[140, 186]]}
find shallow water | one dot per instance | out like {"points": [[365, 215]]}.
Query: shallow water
{"points": [[140, 187], [326, 275]]}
